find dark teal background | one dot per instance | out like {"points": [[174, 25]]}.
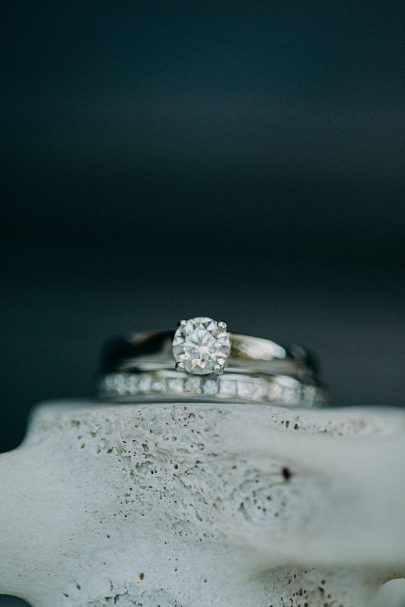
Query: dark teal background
{"points": [[241, 160], [160, 160]]}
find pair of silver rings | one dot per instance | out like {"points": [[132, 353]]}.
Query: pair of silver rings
{"points": [[201, 360]]}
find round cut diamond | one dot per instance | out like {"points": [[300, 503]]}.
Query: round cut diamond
{"points": [[201, 346]]}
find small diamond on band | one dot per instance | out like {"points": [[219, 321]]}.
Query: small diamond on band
{"points": [[201, 346]]}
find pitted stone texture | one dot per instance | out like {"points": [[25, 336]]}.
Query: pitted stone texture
{"points": [[197, 505], [175, 455]]}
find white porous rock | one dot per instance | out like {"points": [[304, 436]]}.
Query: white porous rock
{"points": [[203, 505]]}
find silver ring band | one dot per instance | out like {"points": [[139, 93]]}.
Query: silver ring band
{"points": [[151, 351]]}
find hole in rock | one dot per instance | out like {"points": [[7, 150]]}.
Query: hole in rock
{"points": [[12, 601], [392, 594]]}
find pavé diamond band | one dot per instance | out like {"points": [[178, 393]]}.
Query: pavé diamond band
{"points": [[168, 386], [202, 360]]}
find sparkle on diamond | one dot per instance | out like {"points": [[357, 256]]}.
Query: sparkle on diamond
{"points": [[201, 346]]}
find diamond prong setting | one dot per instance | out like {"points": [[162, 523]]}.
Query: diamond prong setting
{"points": [[201, 346]]}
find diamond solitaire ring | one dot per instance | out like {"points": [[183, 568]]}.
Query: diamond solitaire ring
{"points": [[202, 360], [201, 346]]}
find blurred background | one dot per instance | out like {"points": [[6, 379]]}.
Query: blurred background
{"points": [[165, 160], [242, 160]]}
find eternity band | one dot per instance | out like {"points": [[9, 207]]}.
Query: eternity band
{"points": [[202, 361]]}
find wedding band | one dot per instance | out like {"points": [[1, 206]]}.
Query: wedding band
{"points": [[168, 386], [202, 360]]}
